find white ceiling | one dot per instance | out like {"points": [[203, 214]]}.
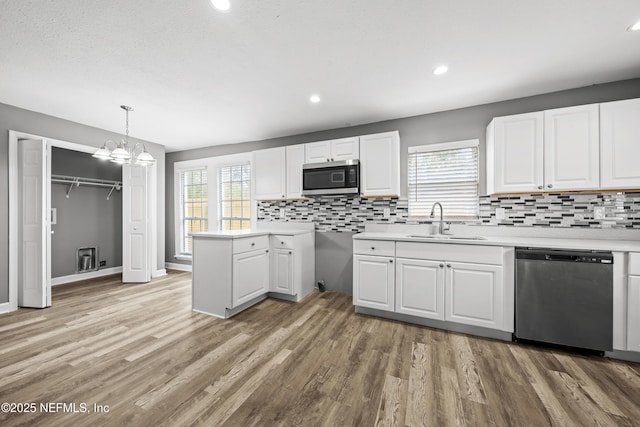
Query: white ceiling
{"points": [[198, 77]]}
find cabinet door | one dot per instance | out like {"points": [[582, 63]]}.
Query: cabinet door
{"points": [[282, 271], [345, 149], [250, 276], [373, 282], [572, 148], [633, 314], [317, 152], [380, 164], [269, 173], [474, 294], [295, 160], [420, 288], [619, 144], [518, 156]]}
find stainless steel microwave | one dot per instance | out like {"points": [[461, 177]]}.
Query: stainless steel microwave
{"points": [[341, 177]]}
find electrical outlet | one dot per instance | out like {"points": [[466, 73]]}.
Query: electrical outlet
{"points": [[501, 213], [598, 212], [103, 263], [386, 212]]}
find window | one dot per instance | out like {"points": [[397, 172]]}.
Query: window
{"points": [[445, 173], [194, 206], [235, 197]]}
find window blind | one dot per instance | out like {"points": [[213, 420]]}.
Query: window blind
{"points": [[235, 197], [194, 210], [445, 173]]}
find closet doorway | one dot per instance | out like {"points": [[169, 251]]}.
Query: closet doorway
{"points": [[31, 217]]}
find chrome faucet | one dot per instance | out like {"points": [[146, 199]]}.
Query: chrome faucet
{"points": [[433, 208]]}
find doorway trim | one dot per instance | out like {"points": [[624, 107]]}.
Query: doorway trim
{"points": [[14, 137]]}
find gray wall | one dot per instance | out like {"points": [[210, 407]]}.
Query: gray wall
{"points": [[86, 218], [461, 124], [18, 119]]}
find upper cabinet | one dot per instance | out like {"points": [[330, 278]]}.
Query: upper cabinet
{"points": [[619, 144], [380, 164], [295, 160], [554, 150], [269, 173], [333, 150], [571, 148], [514, 153]]}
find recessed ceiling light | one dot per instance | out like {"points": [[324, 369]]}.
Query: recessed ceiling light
{"points": [[314, 99], [634, 27], [440, 70], [221, 5]]}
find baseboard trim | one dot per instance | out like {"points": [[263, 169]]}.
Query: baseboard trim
{"points": [[6, 307], [84, 276], [180, 267], [159, 273]]}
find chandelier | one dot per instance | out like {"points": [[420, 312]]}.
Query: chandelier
{"points": [[125, 153]]}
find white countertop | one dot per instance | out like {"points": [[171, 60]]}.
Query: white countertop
{"points": [[522, 241], [235, 234]]}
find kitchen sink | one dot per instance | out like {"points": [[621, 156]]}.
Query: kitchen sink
{"points": [[446, 237]]}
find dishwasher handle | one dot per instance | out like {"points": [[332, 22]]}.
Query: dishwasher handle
{"points": [[564, 255], [561, 257]]}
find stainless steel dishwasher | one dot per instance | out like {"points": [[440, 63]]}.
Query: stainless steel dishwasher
{"points": [[565, 297]]}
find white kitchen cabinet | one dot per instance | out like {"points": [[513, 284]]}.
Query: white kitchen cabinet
{"points": [[572, 148], [474, 294], [380, 164], [374, 282], [250, 276], [515, 153], [619, 144], [633, 303], [269, 173], [282, 271], [295, 160], [332, 150], [420, 288]]}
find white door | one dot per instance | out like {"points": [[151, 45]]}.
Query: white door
{"points": [[373, 282], [572, 148], [474, 294], [620, 144], [317, 152], [345, 149], [295, 160], [250, 276], [282, 274], [380, 164], [518, 145], [269, 171], [135, 225], [420, 288], [34, 271]]}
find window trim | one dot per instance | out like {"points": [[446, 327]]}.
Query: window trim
{"points": [[219, 216], [443, 146]]}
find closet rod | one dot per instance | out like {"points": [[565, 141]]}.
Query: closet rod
{"points": [[76, 181]]}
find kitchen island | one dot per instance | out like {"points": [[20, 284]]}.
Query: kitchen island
{"points": [[233, 270]]}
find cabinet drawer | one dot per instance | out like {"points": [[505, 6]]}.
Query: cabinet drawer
{"points": [[281, 242], [245, 244], [374, 247], [634, 263], [450, 252]]}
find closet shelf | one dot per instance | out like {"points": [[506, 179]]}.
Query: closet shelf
{"points": [[76, 181]]}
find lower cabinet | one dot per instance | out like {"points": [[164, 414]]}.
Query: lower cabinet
{"points": [[633, 314], [374, 282], [250, 275], [282, 271], [474, 294], [420, 288]]}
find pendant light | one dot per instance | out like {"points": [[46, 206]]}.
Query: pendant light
{"points": [[125, 153]]}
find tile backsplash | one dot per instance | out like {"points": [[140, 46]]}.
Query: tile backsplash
{"points": [[618, 210], [568, 210]]}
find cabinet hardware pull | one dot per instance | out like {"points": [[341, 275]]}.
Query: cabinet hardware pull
{"points": [[253, 244], [441, 265], [290, 252], [282, 243], [448, 265], [373, 248], [390, 260], [267, 251], [549, 186], [539, 187]]}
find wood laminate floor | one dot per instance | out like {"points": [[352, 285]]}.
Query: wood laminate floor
{"points": [[139, 350]]}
